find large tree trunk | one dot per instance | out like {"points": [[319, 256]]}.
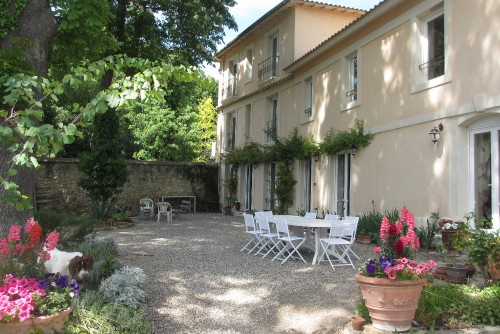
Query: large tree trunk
{"points": [[38, 25]]}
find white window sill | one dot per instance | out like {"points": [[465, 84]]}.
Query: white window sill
{"points": [[418, 87], [349, 105]]}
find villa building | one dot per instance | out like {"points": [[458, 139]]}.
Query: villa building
{"points": [[419, 74]]}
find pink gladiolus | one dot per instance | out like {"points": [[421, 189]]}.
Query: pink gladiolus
{"points": [[51, 241], [399, 227], [14, 233], [384, 228]]}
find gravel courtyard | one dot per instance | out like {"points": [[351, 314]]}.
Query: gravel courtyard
{"points": [[200, 282]]}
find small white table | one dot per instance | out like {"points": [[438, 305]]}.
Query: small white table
{"points": [[190, 197], [320, 225]]}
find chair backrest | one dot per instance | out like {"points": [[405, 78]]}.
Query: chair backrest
{"points": [[352, 218], [337, 230], [249, 222], [310, 215], [349, 229], [164, 207], [262, 224], [329, 216], [263, 213], [146, 203], [281, 227]]}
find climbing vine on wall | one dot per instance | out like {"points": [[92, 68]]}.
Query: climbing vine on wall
{"points": [[284, 187], [10, 13]]}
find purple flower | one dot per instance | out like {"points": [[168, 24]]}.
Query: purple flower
{"points": [[62, 281], [385, 263]]}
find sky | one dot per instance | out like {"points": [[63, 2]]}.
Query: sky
{"points": [[247, 12]]}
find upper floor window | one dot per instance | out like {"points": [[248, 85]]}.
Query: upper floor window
{"points": [[308, 99], [249, 64], [272, 123], [230, 86], [231, 131], [270, 67], [433, 45], [350, 81], [430, 56]]}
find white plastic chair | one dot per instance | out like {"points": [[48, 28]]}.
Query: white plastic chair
{"points": [[251, 229], [310, 215], [147, 207], [263, 214], [354, 219], [287, 242], [337, 246], [329, 216], [269, 239], [165, 210]]}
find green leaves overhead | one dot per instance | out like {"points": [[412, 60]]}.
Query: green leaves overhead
{"points": [[337, 141]]}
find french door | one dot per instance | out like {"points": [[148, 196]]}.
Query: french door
{"points": [[248, 186], [342, 180], [307, 184], [485, 167]]}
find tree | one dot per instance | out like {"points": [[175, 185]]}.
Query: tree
{"points": [[207, 125], [104, 167]]}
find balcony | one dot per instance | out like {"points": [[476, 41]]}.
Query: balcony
{"points": [[229, 89], [269, 68], [272, 130]]}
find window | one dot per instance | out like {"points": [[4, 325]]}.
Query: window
{"points": [[430, 58], [308, 85], [272, 123], [433, 46], [249, 64], [230, 88], [248, 120], [350, 81], [231, 131], [270, 67]]}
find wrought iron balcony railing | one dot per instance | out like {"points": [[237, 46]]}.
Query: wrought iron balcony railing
{"points": [[272, 129], [352, 95], [308, 112], [269, 68], [231, 141], [229, 89]]}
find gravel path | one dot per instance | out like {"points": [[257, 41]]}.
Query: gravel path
{"points": [[200, 282]]}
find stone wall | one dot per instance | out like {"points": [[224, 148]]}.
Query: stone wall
{"points": [[57, 185]]}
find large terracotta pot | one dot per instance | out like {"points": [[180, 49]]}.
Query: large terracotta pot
{"points": [[392, 304], [46, 324], [494, 270]]}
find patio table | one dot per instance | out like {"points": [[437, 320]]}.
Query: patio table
{"points": [[298, 223]]}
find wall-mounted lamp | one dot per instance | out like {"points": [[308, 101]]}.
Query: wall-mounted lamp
{"points": [[435, 132], [353, 150], [315, 157], [234, 168]]}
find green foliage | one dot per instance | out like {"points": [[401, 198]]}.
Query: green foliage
{"points": [[361, 309], [231, 183], [284, 187], [13, 59], [104, 167], [207, 125], [484, 247], [452, 305], [426, 234], [250, 153], [10, 15], [369, 224], [338, 141], [93, 315], [125, 287]]}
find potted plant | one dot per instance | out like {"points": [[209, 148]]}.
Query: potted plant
{"points": [[434, 218], [30, 298], [484, 251], [394, 277]]}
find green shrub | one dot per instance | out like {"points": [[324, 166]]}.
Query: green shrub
{"points": [[124, 287], [452, 305], [49, 220], [369, 224], [93, 315], [426, 234]]}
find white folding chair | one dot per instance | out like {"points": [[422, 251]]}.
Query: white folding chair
{"points": [[146, 207], [255, 233], [164, 210], [263, 214], [287, 242], [337, 246], [268, 238], [329, 216], [310, 215], [351, 237]]}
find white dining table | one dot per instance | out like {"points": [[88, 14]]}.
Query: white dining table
{"points": [[321, 226]]}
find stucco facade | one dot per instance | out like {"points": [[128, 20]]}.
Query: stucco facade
{"points": [[403, 68]]}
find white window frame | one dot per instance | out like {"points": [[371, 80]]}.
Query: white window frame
{"points": [[307, 112], [231, 118], [350, 82], [270, 113], [419, 56]]}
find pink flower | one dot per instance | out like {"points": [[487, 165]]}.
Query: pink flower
{"points": [[14, 233], [384, 228], [399, 267], [399, 227], [403, 260], [376, 250], [51, 241], [391, 276]]}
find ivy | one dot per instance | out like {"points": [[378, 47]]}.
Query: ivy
{"points": [[284, 187], [338, 141]]}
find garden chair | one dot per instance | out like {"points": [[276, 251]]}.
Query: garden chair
{"points": [[336, 247], [165, 210], [146, 207], [251, 228], [268, 238], [329, 216], [287, 242]]}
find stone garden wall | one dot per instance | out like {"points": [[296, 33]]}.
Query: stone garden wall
{"points": [[57, 185]]}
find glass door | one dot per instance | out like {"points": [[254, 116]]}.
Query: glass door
{"points": [[248, 186], [307, 184], [485, 152], [342, 184]]}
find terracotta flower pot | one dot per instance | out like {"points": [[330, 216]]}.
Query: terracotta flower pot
{"points": [[494, 270], [363, 239], [357, 323], [447, 238], [46, 324], [392, 304]]}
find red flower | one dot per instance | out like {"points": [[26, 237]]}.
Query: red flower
{"points": [[393, 229], [399, 247]]}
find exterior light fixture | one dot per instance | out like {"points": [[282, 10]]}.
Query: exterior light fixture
{"points": [[435, 133], [315, 157], [353, 150]]}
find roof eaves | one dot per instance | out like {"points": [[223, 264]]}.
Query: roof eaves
{"points": [[338, 35]]}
